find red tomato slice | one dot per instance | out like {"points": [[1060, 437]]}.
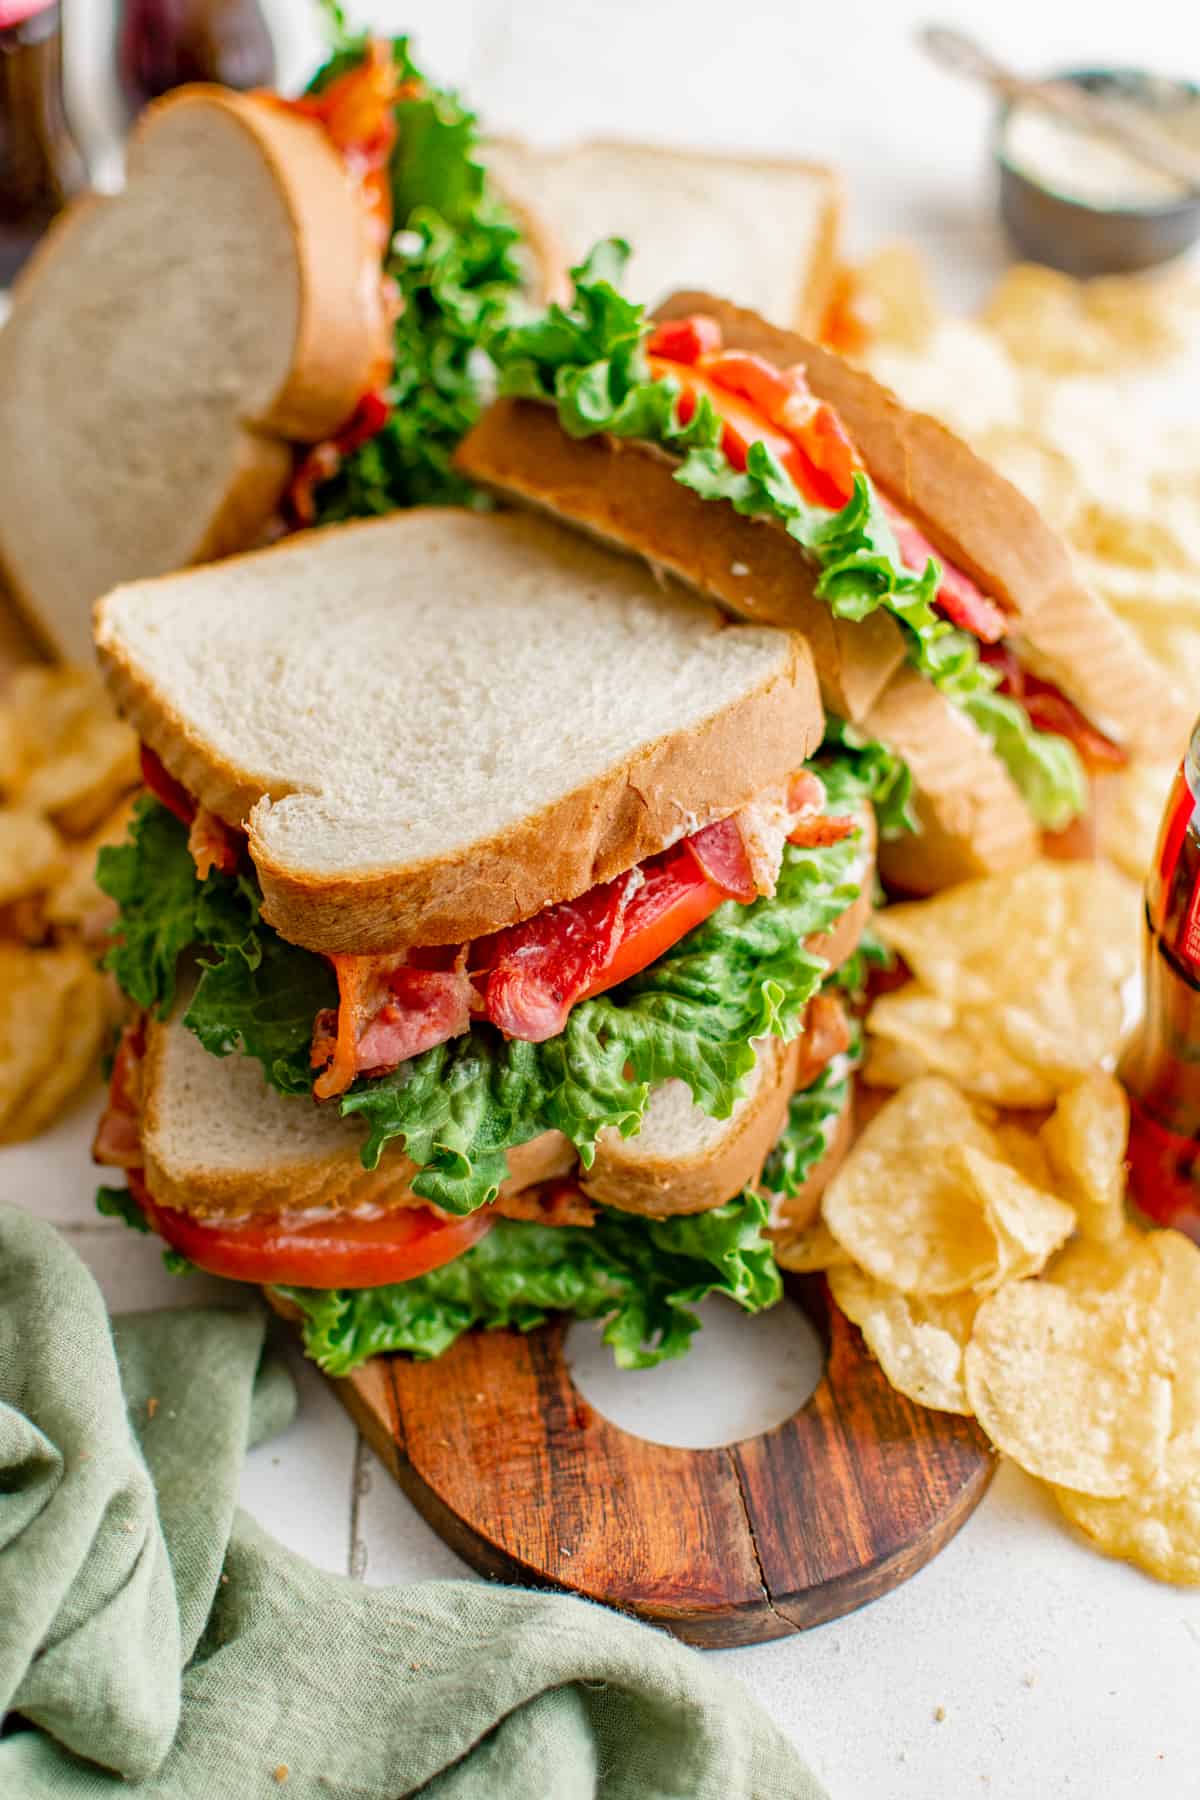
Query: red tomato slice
{"points": [[325, 1253], [816, 454], [675, 897], [685, 340], [164, 787]]}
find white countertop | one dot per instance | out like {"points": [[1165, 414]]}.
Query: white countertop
{"points": [[1059, 1673]]}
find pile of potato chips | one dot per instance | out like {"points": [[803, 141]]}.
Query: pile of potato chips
{"points": [[67, 771], [992, 1271]]}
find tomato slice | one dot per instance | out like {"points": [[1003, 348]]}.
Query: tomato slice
{"points": [[164, 787], [675, 897], [685, 340], [323, 1253]]}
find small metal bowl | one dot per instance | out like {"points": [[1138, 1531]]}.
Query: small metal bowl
{"points": [[1084, 239]]}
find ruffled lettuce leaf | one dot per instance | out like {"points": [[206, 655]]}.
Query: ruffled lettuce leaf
{"points": [[457, 262], [254, 992], [692, 1015], [643, 1276], [588, 360], [813, 1115]]}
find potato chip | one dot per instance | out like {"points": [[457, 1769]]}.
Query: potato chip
{"points": [[1044, 474], [1021, 1148], [1085, 1140], [82, 783], [1056, 324], [926, 1204], [894, 297], [31, 854], [1068, 1385], [809, 1251], [62, 750], [1158, 1528], [75, 905], [35, 995], [87, 1015], [962, 374], [1028, 1223], [1014, 1015], [917, 1342], [1120, 1265]]}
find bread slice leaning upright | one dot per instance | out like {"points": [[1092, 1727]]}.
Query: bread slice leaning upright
{"points": [[764, 229], [434, 725], [168, 345]]}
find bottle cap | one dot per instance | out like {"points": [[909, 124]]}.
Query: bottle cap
{"points": [[15, 12]]}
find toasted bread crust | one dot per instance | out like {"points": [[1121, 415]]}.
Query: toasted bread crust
{"points": [[591, 835], [624, 493], [985, 525], [971, 817]]}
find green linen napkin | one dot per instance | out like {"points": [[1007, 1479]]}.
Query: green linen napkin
{"points": [[154, 1641]]}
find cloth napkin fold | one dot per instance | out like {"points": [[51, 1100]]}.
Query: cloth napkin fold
{"points": [[154, 1641]]}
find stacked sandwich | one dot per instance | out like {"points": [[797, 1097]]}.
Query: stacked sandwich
{"points": [[491, 917], [945, 617]]}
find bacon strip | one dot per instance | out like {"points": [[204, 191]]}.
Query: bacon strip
{"points": [[388, 1011], [213, 844], [118, 1142]]}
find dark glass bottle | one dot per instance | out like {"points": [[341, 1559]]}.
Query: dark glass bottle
{"points": [[40, 164], [164, 43], [1161, 1068]]}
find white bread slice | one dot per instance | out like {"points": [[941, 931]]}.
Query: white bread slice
{"points": [[165, 345], [764, 229], [438, 723]]}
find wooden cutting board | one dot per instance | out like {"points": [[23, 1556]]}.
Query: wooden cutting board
{"points": [[513, 1468]]}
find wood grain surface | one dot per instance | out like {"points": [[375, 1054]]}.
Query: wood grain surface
{"points": [[516, 1471]]}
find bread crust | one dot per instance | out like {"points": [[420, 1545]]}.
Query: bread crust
{"points": [[985, 525], [796, 1212], [343, 336], [623, 492], [971, 818], [342, 340], [631, 811]]}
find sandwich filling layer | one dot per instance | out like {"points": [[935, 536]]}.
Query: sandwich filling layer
{"points": [[752, 435], [607, 1014]]}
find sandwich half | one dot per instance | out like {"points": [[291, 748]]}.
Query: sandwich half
{"points": [[279, 321], [946, 619], [476, 842]]}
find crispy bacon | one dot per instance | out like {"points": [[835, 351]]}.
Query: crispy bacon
{"points": [[388, 1011], [213, 844], [816, 831], [724, 854], [537, 970], [118, 1142], [553, 1203], [826, 1035], [1050, 710]]}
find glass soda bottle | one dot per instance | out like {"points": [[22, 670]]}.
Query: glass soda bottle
{"points": [[1161, 1068], [40, 163], [164, 43]]}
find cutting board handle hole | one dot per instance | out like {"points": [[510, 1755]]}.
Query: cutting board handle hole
{"points": [[742, 1376]]}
